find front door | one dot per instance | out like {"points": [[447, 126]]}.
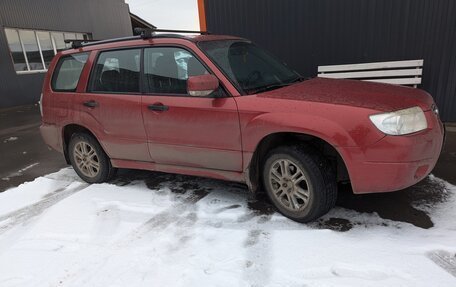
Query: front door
{"points": [[182, 130]]}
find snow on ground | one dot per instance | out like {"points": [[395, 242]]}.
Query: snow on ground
{"points": [[166, 230], [10, 139]]}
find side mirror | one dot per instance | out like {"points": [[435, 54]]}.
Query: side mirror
{"points": [[201, 86]]}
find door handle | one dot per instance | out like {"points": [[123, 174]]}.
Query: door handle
{"points": [[159, 107], [90, 104]]}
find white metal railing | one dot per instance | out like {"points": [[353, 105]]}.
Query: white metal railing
{"points": [[395, 72]]}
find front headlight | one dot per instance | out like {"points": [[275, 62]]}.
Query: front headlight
{"points": [[400, 122]]}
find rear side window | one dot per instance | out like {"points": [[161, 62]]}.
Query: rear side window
{"points": [[67, 72], [117, 72]]}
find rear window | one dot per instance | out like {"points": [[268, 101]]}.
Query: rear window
{"points": [[67, 72]]}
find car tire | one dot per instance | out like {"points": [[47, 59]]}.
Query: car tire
{"points": [[89, 159], [306, 188]]}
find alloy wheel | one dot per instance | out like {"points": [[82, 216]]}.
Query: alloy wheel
{"points": [[86, 159], [289, 185]]}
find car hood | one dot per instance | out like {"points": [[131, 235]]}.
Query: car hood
{"points": [[376, 96]]}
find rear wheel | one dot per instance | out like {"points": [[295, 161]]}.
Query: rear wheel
{"points": [[299, 182], [88, 159]]}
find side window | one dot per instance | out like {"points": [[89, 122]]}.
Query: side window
{"points": [[67, 72], [117, 72], [167, 69]]}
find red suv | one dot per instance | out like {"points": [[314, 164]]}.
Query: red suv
{"points": [[220, 107]]}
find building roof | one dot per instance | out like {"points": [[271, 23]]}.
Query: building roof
{"points": [[138, 22]]}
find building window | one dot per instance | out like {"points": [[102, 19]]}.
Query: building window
{"points": [[16, 50], [59, 42], [32, 51], [28, 39], [69, 36], [47, 50]]}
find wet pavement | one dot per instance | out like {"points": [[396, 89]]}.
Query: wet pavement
{"points": [[24, 156], [446, 166]]}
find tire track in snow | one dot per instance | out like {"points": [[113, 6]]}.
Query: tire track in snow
{"points": [[257, 267], [182, 213], [173, 214], [445, 260], [20, 216]]}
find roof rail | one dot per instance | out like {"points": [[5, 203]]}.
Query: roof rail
{"points": [[84, 43], [78, 43], [149, 33], [141, 33]]}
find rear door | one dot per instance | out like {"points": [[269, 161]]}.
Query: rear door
{"points": [[64, 82], [182, 130], [111, 105]]}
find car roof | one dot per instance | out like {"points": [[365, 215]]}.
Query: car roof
{"points": [[210, 37], [139, 41]]}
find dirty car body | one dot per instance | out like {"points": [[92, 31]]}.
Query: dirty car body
{"points": [[231, 111]]}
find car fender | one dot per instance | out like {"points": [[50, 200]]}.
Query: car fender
{"points": [[265, 124], [87, 120]]}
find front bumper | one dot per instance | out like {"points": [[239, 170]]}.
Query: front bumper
{"points": [[395, 162]]}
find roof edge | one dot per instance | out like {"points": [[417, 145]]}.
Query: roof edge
{"points": [[142, 21]]}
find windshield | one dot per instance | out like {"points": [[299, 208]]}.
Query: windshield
{"points": [[250, 68]]}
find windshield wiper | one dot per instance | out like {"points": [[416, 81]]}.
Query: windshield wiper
{"points": [[267, 88], [297, 79], [275, 86]]}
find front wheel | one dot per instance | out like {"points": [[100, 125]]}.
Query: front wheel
{"points": [[88, 159], [299, 182]]}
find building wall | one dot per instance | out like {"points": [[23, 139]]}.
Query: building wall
{"points": [[102, 18], [309, 33]]}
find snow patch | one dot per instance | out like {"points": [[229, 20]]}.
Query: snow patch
{"points": [[10, 139], [182, 231], [28, 167], [21, 171]]}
